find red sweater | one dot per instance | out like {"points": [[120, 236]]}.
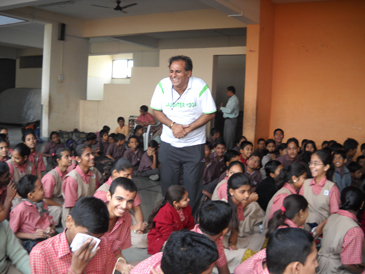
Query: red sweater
{"points": [[166, 221]]}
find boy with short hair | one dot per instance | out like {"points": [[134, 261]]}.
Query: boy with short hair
{"points": [[116, 150], [133, 154], [252, 170], [246, 149], [361, 160], [341, 177], [214, 135], [148, 165], [218, 155], [211, 171], [261, 146], [103, 143], [229, 157], [184, 252], [350, 147], [89, 216], [29, 220], [122, 128], [355, 171]]}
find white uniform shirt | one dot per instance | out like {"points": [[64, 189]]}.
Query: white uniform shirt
{"points": [[185, 109]]}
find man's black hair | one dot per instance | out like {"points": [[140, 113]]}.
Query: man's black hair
{"points": [[186, 59], [232, 89]]}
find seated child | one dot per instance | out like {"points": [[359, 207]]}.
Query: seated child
{"points": [[341, 176], [211, 170], [214, 219], [120, 200], [252, 170], [214, 135], [121, 168], [261, 146], [52, 183], [51, 147], [90, 139], [229, 157], [310, 146], [289, 251], [89, 216], [138, 132], [283, 149], [111, 138], [185, 252], [173, 213], [145, 119], [7, 192], [133, 154], [19, 164], [103, 144], [239, 141], [122, 128], [269, 155], [116, 150], [350, 147], [246, 149], [4, 148], [218, 155], [361, 160], [341, 250], [30, 220], [148, 165], [355, 172], [267, 188], [35, 157], [324, 144]]}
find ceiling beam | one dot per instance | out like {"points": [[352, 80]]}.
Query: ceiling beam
{"points": [[21, 38], [141, 40]]}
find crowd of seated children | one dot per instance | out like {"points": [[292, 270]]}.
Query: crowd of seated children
{"points": [[116, 150], [35, 157], [148, 167], [214, 135], [30, 220], [172, 213], [133, 154]]}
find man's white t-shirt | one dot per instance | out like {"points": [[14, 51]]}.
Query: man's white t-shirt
{"points": [[185, 109]]}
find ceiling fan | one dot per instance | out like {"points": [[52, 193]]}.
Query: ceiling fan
{"points": [[118, 7]]}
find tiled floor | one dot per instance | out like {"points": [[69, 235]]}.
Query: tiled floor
{"points": [[149, 191]]}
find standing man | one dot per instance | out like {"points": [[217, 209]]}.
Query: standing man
{"points": [[183, 104], [230, 113]]}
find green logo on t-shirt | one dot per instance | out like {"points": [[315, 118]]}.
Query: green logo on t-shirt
{"points": [[181, 105]]}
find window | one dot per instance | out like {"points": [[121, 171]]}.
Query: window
{"points": [[122, 68]]}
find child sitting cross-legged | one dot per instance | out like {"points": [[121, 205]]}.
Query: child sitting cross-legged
{"points": [[29, 220], [148, 164]]}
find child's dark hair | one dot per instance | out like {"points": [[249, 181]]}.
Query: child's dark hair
{"points": [[125, 183], [271, 167], [354, 166], [324, 143], [118, 165], [153, 144], [261, 140], [327, 159], [282, 146], [80, 149], [269, 141], [219, 141], [286, 174], [288, 245], [106, 128], [351, 198], [91, 136], [209, 145], [313, 144], [102, 133], [231, 153], [292, 140], [340, 152], [3, 168], [188, 252], [138, 127], [119, 137], [279, 129], [214, 131], [336, 146], [239, 138], [58, 155], [304, 141], [293, 204], [26, 185], [133, 137], [234, 182], [255, 154], [3, 138], [144, 108], [120, 118], [362, 147], [22, 149], [237, 163], [350, 144], [53, 133], [112, 135], [28, 132], [214, 217], [91, 213], [245, 143], [360, 158], [174, 193]]}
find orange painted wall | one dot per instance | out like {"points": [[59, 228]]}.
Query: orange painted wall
{"points": [[318, 83]]}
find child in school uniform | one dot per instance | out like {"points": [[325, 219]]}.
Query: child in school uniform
{"points": [[341, 250], [51, 147], [148, 165], [116, 150], [111, 138], [322, 195], [229, 157], [80, 182], [260, 147], [4, 148], [246, 150], [52, 183], [133, 154], [103, 143], [19, 164], [172, 213], [122, 128], [4, 130], [218, 155], [342, 176], [309, 146], [355, 172], [292, 153], [35, 157], [29, 220], [350, 147], [138, 132], [214, 135], [211, 170], [252, 170], [269, 155], [238, 142]]}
